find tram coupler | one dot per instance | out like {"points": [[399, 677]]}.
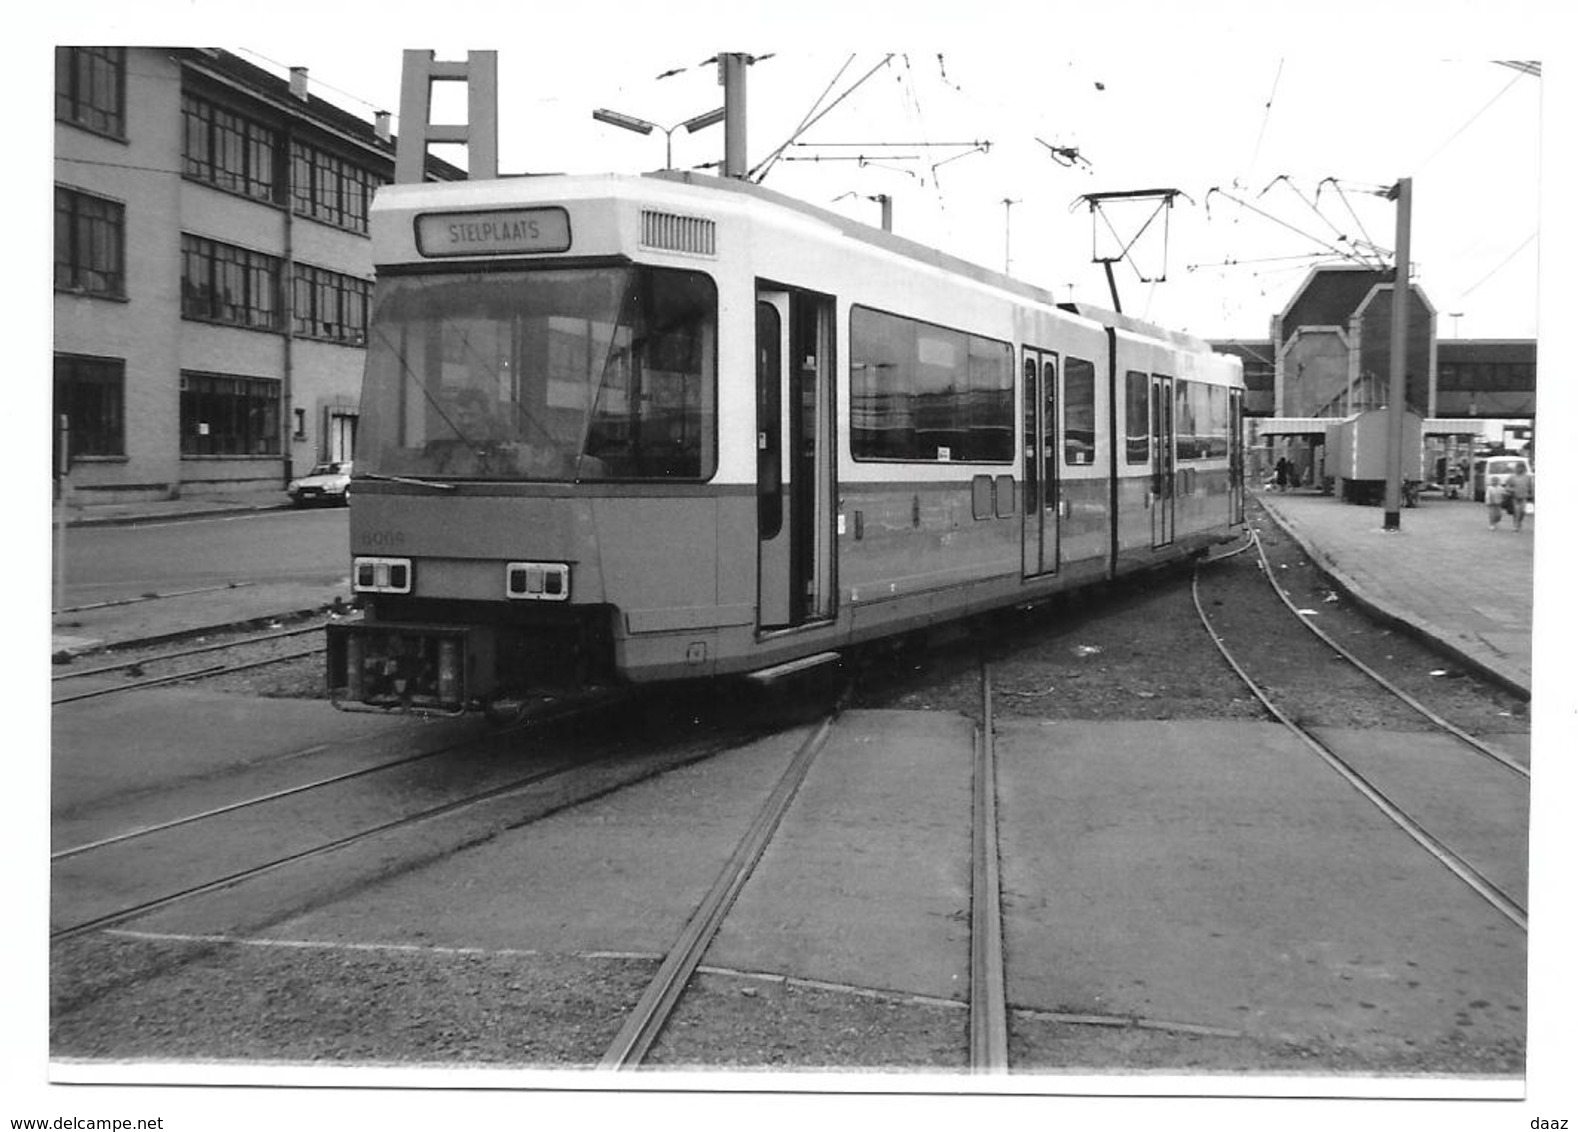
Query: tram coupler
{"points": [[423, 669]]}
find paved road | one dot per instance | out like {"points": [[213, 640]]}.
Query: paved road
{"points": [[107, 563]]}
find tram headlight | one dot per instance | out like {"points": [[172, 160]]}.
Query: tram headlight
{"points": [[537, 581], [381, 575]]}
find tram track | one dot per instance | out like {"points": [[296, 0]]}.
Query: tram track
{"points": [[137, 667], [986, 1034], [572, 777], [1281, 703]]}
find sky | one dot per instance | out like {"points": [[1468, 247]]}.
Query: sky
{"points": [[1279, 153]]}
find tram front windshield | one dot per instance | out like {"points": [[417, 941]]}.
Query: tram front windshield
{"points": [[558, 375]]}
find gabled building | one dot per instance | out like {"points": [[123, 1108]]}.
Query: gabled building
{"points": [[213, 272]]}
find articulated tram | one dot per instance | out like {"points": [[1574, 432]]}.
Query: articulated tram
{"points": [[676, 426]]}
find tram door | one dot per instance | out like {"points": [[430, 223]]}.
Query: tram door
{"points": [[1163, 469], [794, 457], [1235, 463], [1042, 499]]}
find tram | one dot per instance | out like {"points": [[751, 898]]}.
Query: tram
{"points": [[676, 426]]}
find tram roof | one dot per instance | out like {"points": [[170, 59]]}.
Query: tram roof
{"points": [[924, 253], [484, 192]]}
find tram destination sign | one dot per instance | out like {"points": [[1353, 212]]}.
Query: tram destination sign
{"points": [[514, 231]]}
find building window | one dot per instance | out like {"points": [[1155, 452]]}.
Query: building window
{"points": [[328, 188], [225, 415], [90, 244], [224, 283], [91, 394], [228, 151], [90, 88], [330, 306], [920, 392]]}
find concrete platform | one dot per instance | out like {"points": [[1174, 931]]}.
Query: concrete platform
{"points": [[1445, 573]]}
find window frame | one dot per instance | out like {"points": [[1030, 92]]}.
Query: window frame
{"points": [[81, 231], [96, 109], [1136, 445], [322, 299], [979, 413], [228, 150], [329, 188], [253, 298], [1083, 372], [252, 403], [75, 372]]}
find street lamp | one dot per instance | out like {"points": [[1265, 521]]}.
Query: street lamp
{"points": [[642, 126], [1454, 316]]}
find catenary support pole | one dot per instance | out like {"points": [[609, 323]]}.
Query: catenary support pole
{"points": [[1396, 409]]}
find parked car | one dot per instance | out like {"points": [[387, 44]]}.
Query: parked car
{"points": [[325, 483]]}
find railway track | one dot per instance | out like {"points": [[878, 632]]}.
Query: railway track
{"points": [[133, 673], [988, 1050], [455, 776], [1378, 696]]}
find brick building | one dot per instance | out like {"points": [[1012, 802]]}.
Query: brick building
{"points": [[1329, 355], [213, 272]]}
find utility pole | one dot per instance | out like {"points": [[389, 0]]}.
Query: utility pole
{"points": [[1008, 205], [1402, 294], [731, 76], [62, 504]]}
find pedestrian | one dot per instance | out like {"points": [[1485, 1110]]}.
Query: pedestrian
{"points": [[1283, 468], [1518, 487], [1493, 504]]}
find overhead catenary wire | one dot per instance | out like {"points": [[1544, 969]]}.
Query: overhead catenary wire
{"points": [[760, 171], [1510, 257], [1314, 206], [1457, 133], [1265, 118], [317, 82], [1331, 248]]}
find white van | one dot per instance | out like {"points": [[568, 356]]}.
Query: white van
{"points": [[1492, 471]]}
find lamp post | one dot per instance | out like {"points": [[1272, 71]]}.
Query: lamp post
{"points": [[642, 126], [1454, 316], [1007, 240]]}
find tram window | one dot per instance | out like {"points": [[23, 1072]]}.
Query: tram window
{"points": [[1079, 412], [583, 374], [920, 392], [1200, 420], [1184, 437], [1137, 417]]}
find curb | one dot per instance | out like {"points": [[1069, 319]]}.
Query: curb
{"points": [[1389, 614]]}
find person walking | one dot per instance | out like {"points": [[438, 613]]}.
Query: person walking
{"points": [[1283, 469], [1519, 486], [1493, 499]]}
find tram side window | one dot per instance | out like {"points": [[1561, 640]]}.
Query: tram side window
{"points": [[920, 392], [1079, 412], [1137, 417], [1201, 420]]}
